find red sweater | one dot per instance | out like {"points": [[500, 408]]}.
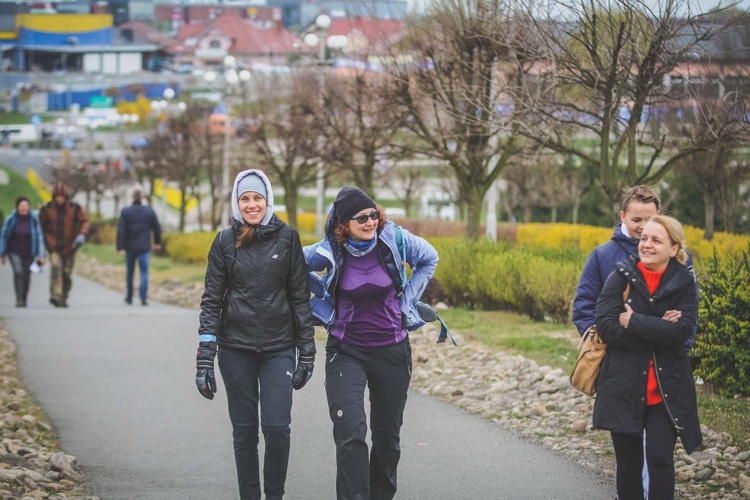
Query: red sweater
{"points": [[652, 279]]}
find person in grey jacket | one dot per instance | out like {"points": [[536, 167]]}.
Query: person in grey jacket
{"points": [[645, 393], [368, 307], [134, 229], [22, 241], [255, 313]]}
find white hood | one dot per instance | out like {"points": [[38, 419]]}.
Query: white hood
{"points": [[269, 200]]}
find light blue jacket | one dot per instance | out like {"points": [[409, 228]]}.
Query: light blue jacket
{"points": [[327, 255], [37, 236]]}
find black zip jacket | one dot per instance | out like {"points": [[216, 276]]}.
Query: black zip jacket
{"points": [[620, 404], [267, 294]]}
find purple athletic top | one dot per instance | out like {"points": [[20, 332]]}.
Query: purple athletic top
{"points": [[19, 242], [368, 313]]}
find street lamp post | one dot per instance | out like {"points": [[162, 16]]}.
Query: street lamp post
{"points": [[323, 24], [232, 78]]}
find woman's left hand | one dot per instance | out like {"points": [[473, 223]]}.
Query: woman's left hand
{"points": [[625, 316]]}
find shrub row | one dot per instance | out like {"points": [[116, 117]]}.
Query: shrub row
{"points": [[537, 282], [193, 247], [722, 350], [586, 238]]}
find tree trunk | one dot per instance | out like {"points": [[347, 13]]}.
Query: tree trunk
{"points": [[474, 204], [553, 215], [576, 208], [290, 199], [526, 212], [183, 208], [708, 200]]}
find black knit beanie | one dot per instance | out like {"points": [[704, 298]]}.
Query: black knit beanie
{"points": [[349, 201]]}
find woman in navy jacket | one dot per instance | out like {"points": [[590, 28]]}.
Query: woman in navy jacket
{"points": [[645, 386]]}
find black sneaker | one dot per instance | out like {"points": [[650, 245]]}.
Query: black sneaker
{"points": [[129, 301], [144, 302]]}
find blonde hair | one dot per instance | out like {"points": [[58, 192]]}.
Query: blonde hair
{"points": [[676, 234]]}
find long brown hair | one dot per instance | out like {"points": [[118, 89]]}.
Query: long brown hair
{"points": [[341, 231], [246, 235]]}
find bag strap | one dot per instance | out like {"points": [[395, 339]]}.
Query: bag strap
{"points": [[626, 293], [402, 254], [234, 252]]}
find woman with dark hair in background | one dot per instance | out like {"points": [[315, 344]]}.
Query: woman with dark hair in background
{"points": [[22, 241]]}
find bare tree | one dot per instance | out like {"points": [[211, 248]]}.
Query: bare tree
{"points": [[720, 105], [176, 152], [463, 90], [609, 61], [407, 183], [286, 136], [362, 120]]}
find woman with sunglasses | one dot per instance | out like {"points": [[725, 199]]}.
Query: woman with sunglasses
{"points": [[368, 307]]}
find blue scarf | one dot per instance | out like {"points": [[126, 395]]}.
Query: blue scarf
{"points": [[360, 248]]}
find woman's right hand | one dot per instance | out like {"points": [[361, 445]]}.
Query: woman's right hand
{"points": [[672, 315]]}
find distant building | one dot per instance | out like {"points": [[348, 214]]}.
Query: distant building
{"points": [[251, 42], [73, 42]]}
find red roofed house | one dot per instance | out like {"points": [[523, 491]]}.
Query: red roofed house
{"points": [[366, 36], [250, 42]]}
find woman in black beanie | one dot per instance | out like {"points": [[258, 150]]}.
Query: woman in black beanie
{"points": [[368, 307]]}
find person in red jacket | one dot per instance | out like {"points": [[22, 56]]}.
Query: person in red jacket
{"points": [[64, 224]]}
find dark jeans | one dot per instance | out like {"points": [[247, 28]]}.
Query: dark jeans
{"points": [[143, 260], [386, 371], [250, 378], [660, 443], [21, 275]]}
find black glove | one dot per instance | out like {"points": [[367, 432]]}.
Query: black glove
{"points": [[305, 365], [204, 376]]}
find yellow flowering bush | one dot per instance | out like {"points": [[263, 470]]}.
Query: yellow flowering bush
{"points": [[188, 247], [586, 238]]}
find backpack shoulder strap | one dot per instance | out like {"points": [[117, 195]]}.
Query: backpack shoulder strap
{"points": [[224, 248], [402, 254]]}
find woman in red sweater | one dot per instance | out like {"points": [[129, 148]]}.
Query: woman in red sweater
{"points": [[645, 391]]}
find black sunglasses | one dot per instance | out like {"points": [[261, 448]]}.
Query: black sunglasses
{"points": [[363, 218]]}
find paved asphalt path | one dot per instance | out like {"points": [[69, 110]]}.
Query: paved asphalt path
{"points": [[117, 383]]}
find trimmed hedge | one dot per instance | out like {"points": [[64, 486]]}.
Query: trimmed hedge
{"points": [[722, 350], [193, 247], [539, 283], [586, 238]]}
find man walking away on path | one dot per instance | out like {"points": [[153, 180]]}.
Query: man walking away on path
{"points": [[134, 229], [65, 225]]}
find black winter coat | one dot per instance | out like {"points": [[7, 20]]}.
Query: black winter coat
{"points": [[267, 294], [620, 404]]}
